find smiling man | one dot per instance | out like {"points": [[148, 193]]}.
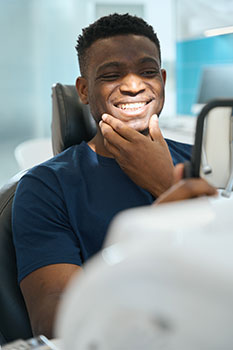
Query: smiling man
{"points": [[63, 207], [122, 81]]}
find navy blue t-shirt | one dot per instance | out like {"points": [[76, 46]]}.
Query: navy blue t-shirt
{"points": [[62, 207]]}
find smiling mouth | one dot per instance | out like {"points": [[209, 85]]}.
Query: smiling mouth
{"points": [[131, 106]]}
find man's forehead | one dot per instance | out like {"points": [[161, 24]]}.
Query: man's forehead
{"points": [[123, 46], [123, 39]]}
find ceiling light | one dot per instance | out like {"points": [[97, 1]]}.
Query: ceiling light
{"points": [[219, 31]]}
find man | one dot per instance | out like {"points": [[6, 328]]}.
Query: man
{"points": [[63, 207]]}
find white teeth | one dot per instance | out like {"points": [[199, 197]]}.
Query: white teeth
{"points": [[131, 105]]}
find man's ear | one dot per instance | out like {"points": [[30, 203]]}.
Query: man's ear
{"points": [[164, 75], [82, 89]]}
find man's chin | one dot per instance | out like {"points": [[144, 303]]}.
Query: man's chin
{"points": [[142, 129]]}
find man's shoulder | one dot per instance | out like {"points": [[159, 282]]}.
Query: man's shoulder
{"points": [[178, 145], [66, 159], [180, 152], [61, 166], [58, 161]]}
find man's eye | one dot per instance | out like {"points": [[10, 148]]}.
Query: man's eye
{"points": [[149, 73], [112, 76]]}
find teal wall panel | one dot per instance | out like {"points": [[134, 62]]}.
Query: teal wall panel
{"points": [[192, 56]]}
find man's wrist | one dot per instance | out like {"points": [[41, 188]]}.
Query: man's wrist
{"points": [[159, 188]]}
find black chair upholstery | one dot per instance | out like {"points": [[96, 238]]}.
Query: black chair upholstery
{"points": [[72, 121], [14, 322], [71, 124]]}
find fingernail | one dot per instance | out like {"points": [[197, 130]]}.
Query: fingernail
{"points": [[155, 117], [104, 116], [100, 123]]}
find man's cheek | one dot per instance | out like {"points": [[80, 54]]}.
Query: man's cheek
{"points": [[97, 112]]}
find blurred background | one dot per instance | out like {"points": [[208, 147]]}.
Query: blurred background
{"points": [[38, 39]]}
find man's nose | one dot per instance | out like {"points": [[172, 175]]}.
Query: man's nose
{"points": [[132, 84]]}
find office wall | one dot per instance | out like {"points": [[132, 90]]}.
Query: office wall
{"points": [[38, 39]]}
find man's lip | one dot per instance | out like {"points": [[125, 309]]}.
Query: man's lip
{"points": [[133, 112], [129, 102]]}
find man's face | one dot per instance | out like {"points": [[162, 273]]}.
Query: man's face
{"points": [[124, 79]]}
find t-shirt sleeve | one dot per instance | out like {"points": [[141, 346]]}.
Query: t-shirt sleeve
{"points": [[42, 232], [180, 152]]}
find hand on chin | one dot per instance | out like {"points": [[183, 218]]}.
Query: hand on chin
{"points": [[146, 160]]}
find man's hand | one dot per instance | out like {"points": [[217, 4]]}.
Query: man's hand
{"points": [[185, 188], [146, 160]]}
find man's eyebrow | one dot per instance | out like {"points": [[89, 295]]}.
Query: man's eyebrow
{"points": [[108, 65], [116, 64], [148, 60]]}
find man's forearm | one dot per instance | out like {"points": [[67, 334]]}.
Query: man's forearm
{"points": [[42, 320], [42, 290]]}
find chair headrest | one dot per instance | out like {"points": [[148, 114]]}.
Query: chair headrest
{"points": [[72, 121]]}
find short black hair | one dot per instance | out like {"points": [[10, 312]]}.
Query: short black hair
{"points": [[112, 25]]}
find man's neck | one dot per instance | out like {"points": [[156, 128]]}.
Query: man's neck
{"points": [[97, 145]]}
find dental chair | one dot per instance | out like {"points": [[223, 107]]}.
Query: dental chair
{"points": [[71, 124]]}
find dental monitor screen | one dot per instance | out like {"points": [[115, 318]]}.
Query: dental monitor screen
{"points": [[216, 82]]}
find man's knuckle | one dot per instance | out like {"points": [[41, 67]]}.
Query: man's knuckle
{"points": [[118, 127], [106, 132]]}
